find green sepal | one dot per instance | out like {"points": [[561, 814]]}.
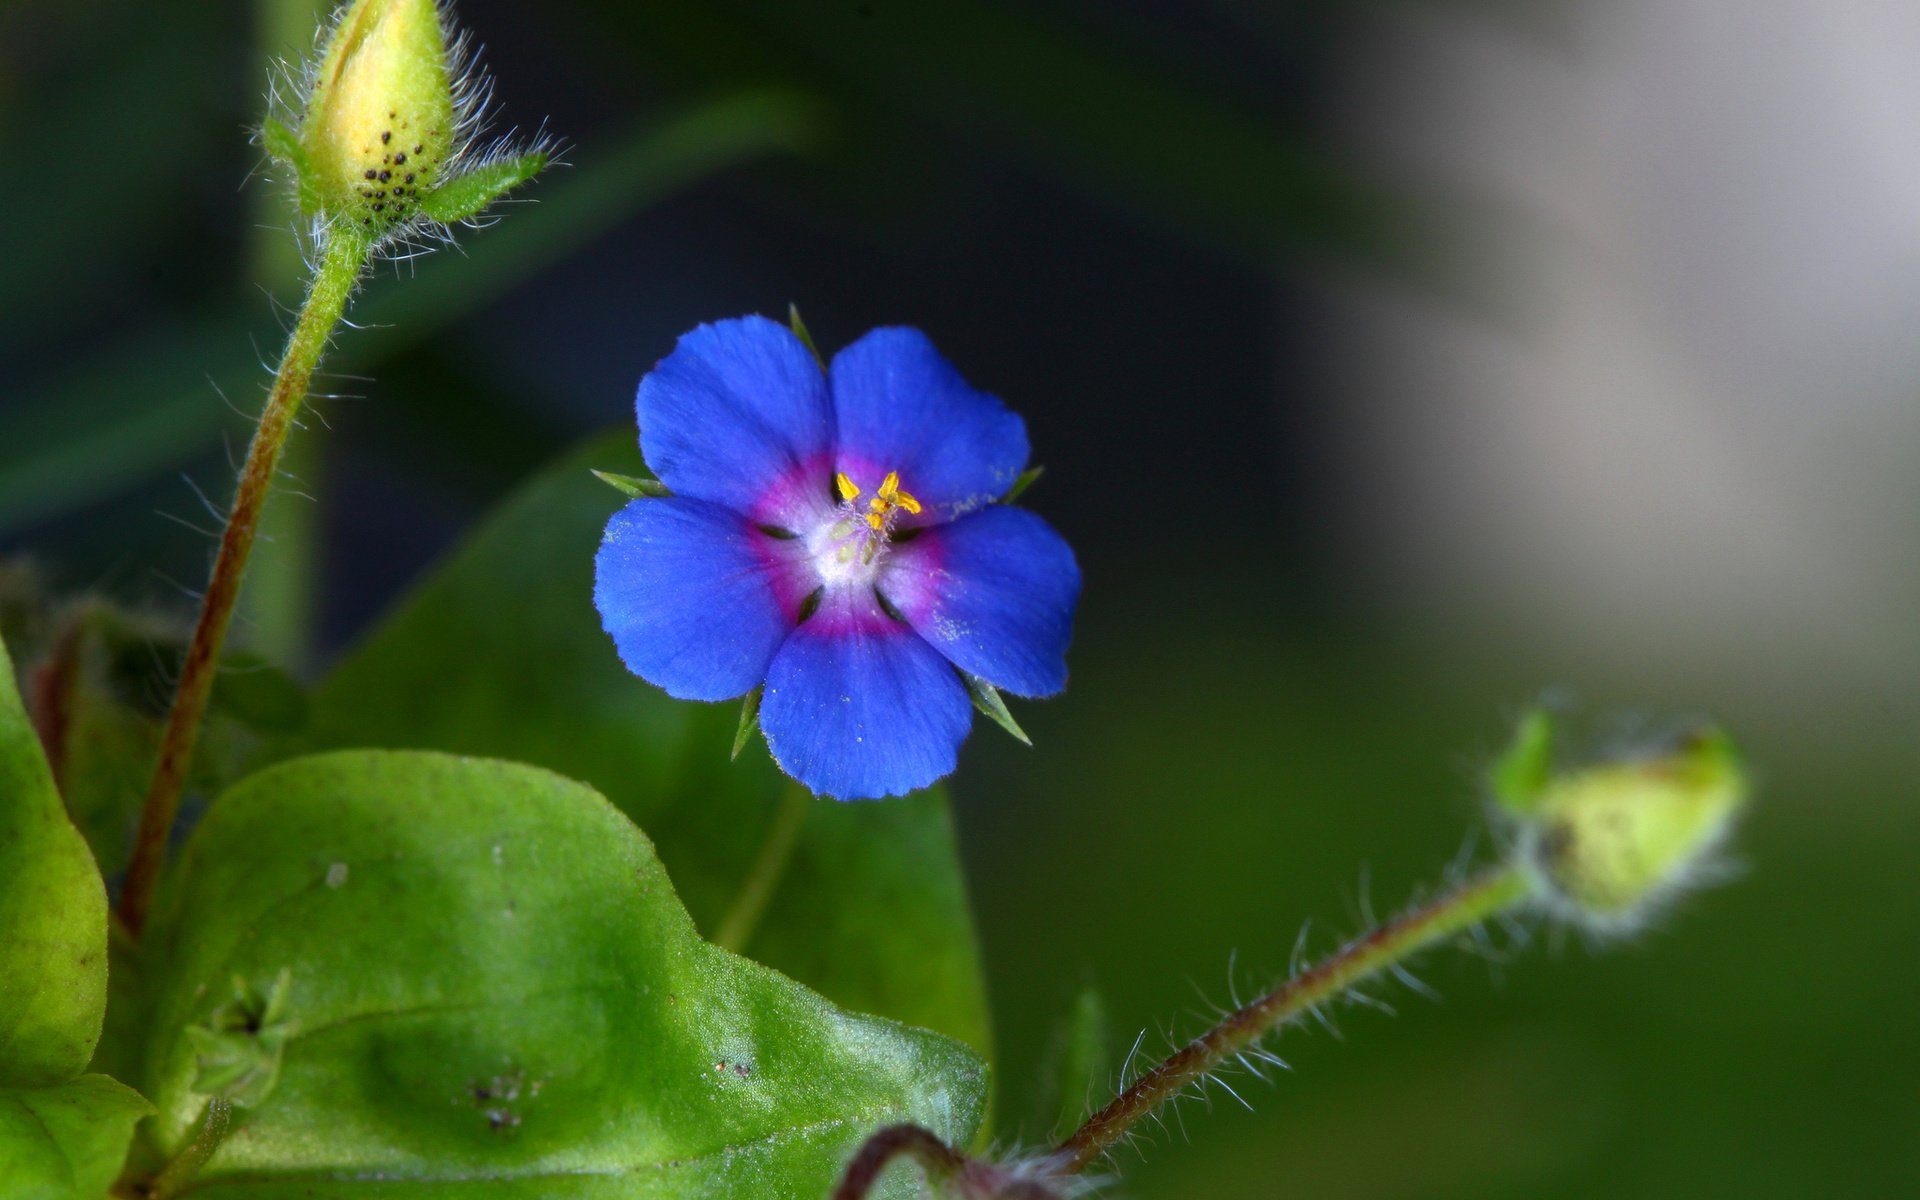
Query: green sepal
{"points": [[749, 722], [633, 485], [239, 1048], [988, 700], [467, 194], [1522, 773], [283, 145], [1027, 479], [805, 335]]}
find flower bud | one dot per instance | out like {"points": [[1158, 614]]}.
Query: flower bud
{"points": [[1607, 843], [380, 122]]}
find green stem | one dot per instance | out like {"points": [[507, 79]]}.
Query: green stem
{"points": [[177, 1175], [736, 929], [340, 265], [1469, 904]]}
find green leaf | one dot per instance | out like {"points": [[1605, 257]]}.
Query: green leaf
{"points": [[466, 194], [636, 486], [500, 653], [1027, 479], [66, 1142], [988, 700], [493, 991], [53, 915]]}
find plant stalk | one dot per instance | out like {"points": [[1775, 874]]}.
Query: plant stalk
{"points": [[341, 261], [736, 929], [178, 1175], [1484, 896], [950, 1172]]}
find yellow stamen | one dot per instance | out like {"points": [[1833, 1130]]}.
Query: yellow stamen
{"points": [[884, 500]]}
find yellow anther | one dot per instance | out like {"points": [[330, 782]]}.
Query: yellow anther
{"points": [[884, 500]]}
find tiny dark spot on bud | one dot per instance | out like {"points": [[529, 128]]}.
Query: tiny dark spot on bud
{"points": [[371, 173], [390, 116], [409, 176], [400, 159], [379, 207], [417, 147], [386, 135], [385, 175]]}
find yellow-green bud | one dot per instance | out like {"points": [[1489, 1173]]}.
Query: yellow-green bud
{"points": [[1606, 844], [380, 123]]}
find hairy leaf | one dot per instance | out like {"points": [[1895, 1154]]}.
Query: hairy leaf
{"points": [[499, 652], [490, 989]]}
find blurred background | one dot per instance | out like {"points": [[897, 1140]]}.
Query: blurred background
{"points": [[1393, 364]]}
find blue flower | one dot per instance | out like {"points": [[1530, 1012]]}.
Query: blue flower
{"points": [[834, 535]]}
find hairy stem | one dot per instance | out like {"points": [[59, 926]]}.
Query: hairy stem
{"points": [[177, 1175], [736, 929], [949, 1171], [1462, 908], [344, 256]]}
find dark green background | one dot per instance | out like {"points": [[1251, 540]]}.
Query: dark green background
{"points": [[1097, 211]]}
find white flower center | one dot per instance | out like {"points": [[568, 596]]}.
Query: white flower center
{"points": [[848, 548]]}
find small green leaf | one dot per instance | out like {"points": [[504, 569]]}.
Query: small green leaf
{"points": [[1520, 776], [749, 722], [66, 1142], [494, 988], [499, 652], [637, 486], [801, 331], [988, 700], [467, 194], [53, 915], [1027, 479]]}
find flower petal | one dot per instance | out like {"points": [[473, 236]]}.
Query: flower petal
{"points": [[995, 592], [696, 598], [738, 414], [900, 406], [857, 706]]}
